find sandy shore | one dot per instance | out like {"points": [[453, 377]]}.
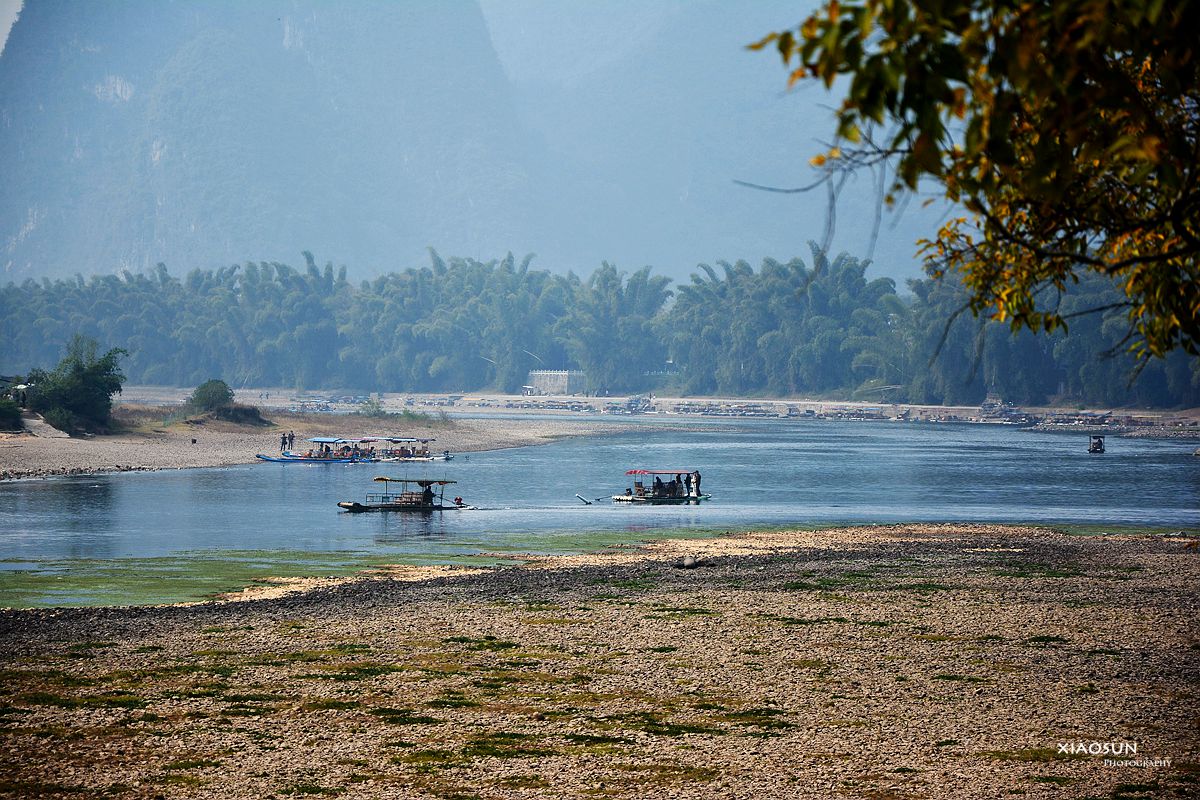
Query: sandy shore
{"points": [[218, 444], [890, 661]]}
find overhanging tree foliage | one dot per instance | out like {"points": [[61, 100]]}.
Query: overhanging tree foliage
{"points": [[1070, 132]]}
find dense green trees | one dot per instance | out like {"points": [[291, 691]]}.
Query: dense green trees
{"points": [[77, 394], [816, 328]]}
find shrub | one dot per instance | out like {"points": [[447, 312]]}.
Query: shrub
{"points": [[211, 396], [10, 416], [62, 419]]}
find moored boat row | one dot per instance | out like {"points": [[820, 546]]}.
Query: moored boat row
{"points": [[361, 449]]}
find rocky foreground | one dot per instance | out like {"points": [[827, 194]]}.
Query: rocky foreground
{"points": [[903, 661]]}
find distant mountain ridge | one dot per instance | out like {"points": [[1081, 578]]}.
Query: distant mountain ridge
{"points": [[204, 134]]}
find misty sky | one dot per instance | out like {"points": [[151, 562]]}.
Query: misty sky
{"points": [[8, 15], [627, 124], [540, 46]]}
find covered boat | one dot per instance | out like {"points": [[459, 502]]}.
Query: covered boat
{"points": [[663, 487], [329, 450], [429, 495], [406, 449]]}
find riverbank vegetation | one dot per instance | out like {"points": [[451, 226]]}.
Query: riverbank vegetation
{"points": [[76, 396], [820, 326]]}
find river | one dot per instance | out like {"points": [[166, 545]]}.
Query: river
{"points": [[177, 535]]}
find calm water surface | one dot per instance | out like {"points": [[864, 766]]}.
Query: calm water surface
{"points": [[60, 538]]}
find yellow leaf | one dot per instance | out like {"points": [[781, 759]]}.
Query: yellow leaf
{"points": [[760, 44]]}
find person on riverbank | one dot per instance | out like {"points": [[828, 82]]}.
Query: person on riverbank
{"points": [[283, 443], [291, 439]]}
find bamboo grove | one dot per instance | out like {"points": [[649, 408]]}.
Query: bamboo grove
{"points": [[818, 328]]}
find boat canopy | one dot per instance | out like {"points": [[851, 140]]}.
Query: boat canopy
{"points": [[659, 471], [367, 439], [422, 482]]}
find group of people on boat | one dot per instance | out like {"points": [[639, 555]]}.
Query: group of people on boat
{"points": [[325, 450], [346, 451], [684, 484], [332, 448]]}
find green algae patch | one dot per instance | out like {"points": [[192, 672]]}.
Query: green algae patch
{"points": [[197, 575], [186, 577]]}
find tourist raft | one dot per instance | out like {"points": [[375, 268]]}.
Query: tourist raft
{"points": [[663, 487], [429, 495], [360, 450]]}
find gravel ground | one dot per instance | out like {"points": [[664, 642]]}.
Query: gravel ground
{"points": [[873, 662]]}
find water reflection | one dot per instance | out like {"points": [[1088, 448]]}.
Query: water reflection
{"points": [[399, 527]]}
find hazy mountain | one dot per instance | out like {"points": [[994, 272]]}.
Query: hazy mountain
{"points": [[201, 134], [210, 133]]}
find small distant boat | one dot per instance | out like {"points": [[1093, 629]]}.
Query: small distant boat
{"points": [[1097, 445], [681, 487], [428, 497]]}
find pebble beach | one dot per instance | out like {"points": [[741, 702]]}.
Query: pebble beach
{"points": [[881, 661]]}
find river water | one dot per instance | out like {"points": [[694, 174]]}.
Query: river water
{"points": [[172, 535]]}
